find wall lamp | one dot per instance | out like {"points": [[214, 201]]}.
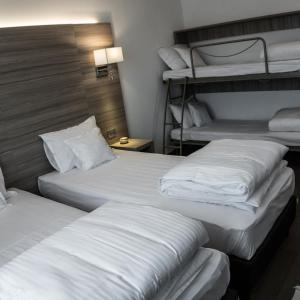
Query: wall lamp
{"points": [[105, 57]]}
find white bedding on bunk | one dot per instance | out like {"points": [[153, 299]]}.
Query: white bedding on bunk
{"points": [[225, 171], [235, 69], [286, 120], [236, 129], [134, 178], [114, 246], [27, 220]]}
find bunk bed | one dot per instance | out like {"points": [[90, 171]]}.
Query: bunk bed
{"points": [[257, 76]]}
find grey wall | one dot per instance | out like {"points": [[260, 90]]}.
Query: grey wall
{"points": [[254, 105], [202, 12], [140, 26]]}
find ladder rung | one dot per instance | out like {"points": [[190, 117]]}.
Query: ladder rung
{"points": [[175, 98]]}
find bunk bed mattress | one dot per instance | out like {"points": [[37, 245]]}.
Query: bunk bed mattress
{"points": [[134, 178], [235, 69], [233, 129], [28, 219]]}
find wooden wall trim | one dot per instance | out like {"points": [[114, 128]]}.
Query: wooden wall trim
{"points": [[249, 86], [47, 83], [275, 22]]}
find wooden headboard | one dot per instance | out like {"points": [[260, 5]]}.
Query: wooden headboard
{"points": [[47, 83]]}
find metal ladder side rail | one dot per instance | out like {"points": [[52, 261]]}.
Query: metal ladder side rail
{"points": [[183, 101]]}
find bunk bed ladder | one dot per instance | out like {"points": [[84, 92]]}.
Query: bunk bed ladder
{"points": [[182, 99]]}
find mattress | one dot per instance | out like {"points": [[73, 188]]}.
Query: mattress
{"points": [[235, 129], [27, 220], [205, 277], [134, 178], [235, 69]]}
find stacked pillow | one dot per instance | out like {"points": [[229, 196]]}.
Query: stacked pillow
{"points": [[90, 150], [286, 120], [178, 57], [81, 146], [199, 113], [195, 114], [283, 51], [4, 194]]}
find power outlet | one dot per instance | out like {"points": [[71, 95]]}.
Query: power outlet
{"points": [[111, 133]]}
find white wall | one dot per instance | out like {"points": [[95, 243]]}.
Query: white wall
{"points": [[203, 12], [254, 105], [140, 26]]}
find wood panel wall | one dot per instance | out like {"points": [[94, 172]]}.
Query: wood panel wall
{"points": [[47, 83]]}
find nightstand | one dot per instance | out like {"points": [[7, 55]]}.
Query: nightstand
{"points": [[139, 145]]}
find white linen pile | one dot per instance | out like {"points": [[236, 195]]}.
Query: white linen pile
{"points": [[129, 250], [286, 120], [227, 172]]}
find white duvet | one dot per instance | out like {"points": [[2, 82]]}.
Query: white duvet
{"points": [[129, 250], [183, 191], [224, 170]]}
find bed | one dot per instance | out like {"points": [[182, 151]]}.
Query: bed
{"points": [[249, 239], [215, 71], [134, 178], [236, 129], [29, 219]]}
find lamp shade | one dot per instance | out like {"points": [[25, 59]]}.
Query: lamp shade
{"points": [[100, 57], [114, 55]]}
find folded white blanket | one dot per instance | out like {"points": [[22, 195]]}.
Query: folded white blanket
{"points": [[117, 252], [228, 170], [286, 120], [283, 51], [182, 191]]}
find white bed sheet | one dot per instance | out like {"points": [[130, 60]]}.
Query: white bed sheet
{"points": [[235, 69], [235, 129], [134, 178], [27, 220]]}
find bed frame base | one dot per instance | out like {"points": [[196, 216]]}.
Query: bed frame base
{"points": [[189, 147], [244, 273]]}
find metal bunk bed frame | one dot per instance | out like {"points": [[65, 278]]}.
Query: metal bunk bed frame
{"points": [[189, 85]]}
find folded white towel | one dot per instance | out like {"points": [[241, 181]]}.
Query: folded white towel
{"points": [[229, 170]]}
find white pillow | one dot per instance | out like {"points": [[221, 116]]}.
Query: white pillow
{"points": [[283, 51], [172, 58], [176, 110], [3, 192], [90, 150], [185, 54], [58, 153], [286, 120], [199, 113]]}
